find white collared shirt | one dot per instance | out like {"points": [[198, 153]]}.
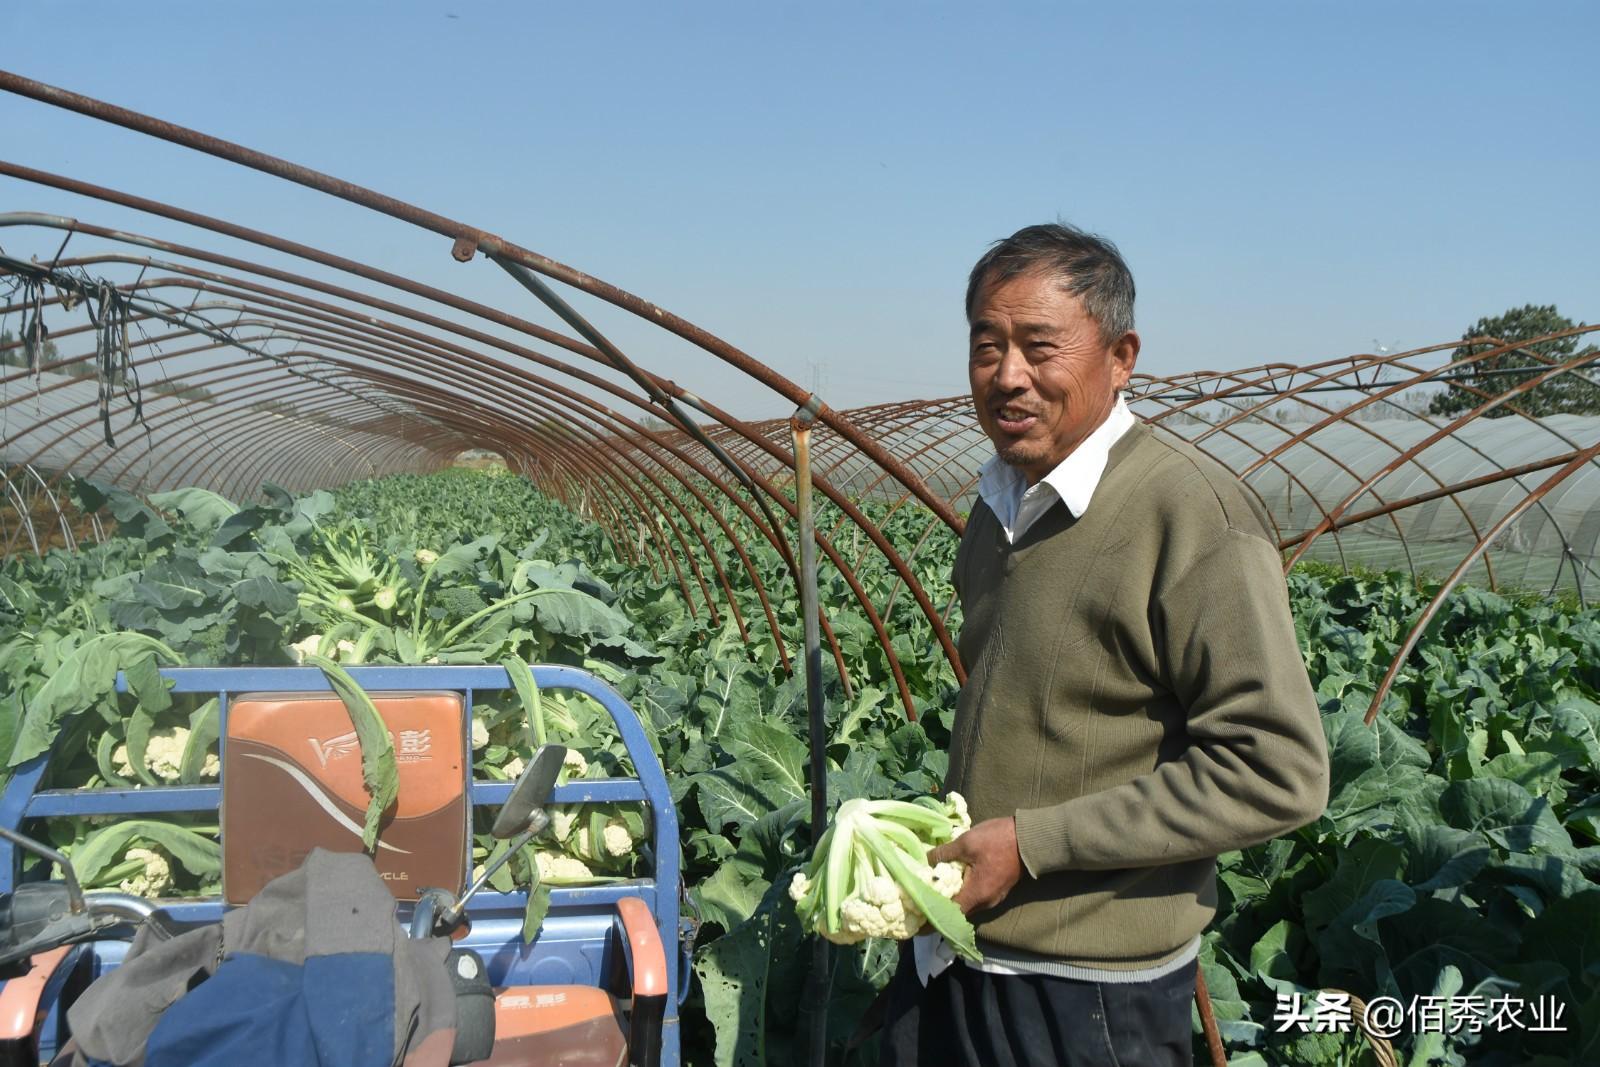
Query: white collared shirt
{"points": [[1019, 505]]}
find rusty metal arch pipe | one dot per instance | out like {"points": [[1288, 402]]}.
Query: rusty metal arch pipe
{"points": [[1226, 427], [934, 618], [279, 394], [1510, 473], [316, 432], [73, 429], [469, 239], [299, 449], [1555, 432], [462, 443], [1430, 440], [1422, 374], [341, 312], [44, 487], [603, 441], [392, 280], [177, 414], [871, 530], [1353, 365], [305, 336], [92, 422], [1577, 463], [1307, 440], [175, 399], [552, 447], [76, 360], [24, 514]]}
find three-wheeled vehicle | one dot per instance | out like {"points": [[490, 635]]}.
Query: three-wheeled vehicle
{"points": [[601, 982]]}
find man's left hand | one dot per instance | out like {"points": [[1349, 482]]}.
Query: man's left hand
{"points": [[994, 865]]}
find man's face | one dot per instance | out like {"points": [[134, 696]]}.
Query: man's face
{"points": [[1042, 379]]}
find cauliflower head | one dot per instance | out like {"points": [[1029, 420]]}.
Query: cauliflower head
{"points": [[156, 878], [947, 877], [615, 839], [163, 755], [956, 805], [879, 908], [883, 846], [562, 822], [554, 868]]}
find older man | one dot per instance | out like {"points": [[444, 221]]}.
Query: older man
{"points": [[1136, 702]]}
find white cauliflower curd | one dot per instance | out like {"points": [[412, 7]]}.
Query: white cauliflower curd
{"points": [[869, 875]]}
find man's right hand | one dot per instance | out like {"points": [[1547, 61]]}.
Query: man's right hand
{"points": [[993, 862]]}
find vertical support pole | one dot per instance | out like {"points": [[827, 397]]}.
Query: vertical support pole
{"points": [[1208, 1020], [820, 982]]}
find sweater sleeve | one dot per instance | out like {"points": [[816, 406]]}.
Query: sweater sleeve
{"points": [[1257, 762]]}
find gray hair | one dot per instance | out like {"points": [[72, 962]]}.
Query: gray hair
{"points": [[1087, 266]]}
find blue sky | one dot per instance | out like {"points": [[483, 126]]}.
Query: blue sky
{"points": [[1289, 181]]}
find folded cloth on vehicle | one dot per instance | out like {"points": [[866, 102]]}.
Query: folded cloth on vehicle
{"points": [[314, 970]]}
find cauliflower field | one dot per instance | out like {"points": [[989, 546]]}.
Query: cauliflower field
{"points": [[1458, 856]]}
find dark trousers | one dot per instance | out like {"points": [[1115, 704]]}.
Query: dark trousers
{"points": [[967, 1018]]}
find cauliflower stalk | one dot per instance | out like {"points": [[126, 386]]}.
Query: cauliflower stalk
{"points": [[870, 877]]}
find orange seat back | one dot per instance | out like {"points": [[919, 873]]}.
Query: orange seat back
{"points": [[291, 782]]}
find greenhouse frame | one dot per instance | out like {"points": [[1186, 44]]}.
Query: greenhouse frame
{"points": [[199, 352]]}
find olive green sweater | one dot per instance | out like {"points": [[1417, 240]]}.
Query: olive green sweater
{"points": [[1138, 701]]}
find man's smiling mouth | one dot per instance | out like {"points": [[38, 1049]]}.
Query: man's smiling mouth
{"points": [[1014, 420]]}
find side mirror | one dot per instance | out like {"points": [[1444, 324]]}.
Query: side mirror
{"points": [[523, 810], [521, 816], [39, 916], [68, 875]]}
